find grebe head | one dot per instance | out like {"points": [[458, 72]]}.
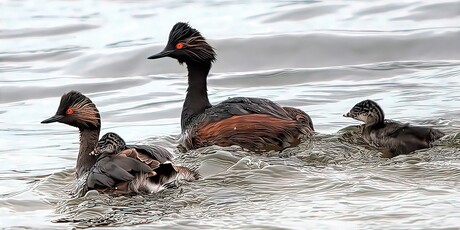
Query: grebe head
{"points": [[110, 143], [367, 111], [187, 45], [77, 110]]}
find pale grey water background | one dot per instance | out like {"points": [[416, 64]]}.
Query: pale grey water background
{"points": [[320, 56]]}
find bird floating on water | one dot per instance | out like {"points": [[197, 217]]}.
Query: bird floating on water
{"points": [[109, 165], [392, 138], [255, 124]]}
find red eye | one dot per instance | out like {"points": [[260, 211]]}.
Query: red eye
{"points": [[69, 111], [179, 45]]}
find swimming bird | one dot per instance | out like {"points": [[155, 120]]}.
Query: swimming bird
{"points": [[392, 138], [110, 165], [255, 124]]}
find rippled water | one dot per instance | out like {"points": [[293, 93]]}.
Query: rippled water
{"points": [[322, 57]]}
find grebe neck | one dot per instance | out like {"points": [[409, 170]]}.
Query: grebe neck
{"points": [[88, 141], [196, 100]]}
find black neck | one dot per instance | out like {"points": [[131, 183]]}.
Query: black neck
{"points": [[88, 141], [196, 100]]}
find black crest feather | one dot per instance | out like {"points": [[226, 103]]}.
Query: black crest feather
{"points": [[196, 48], [181, 31], [71, 98], [86, 115]]}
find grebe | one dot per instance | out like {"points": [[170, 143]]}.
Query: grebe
{"points": [[110, 165], [255, 124], [391, 138]]}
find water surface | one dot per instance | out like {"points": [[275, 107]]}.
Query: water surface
{"points": [[320, 56]]}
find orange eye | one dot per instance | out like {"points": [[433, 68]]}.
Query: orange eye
{"points": [[179, 45], [69, 111]]}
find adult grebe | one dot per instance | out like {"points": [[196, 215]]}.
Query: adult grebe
{"points": [[111, 166], [253, 123]]}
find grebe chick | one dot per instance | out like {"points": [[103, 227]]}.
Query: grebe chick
{"points": [[392, 138], [112, 166], [253, 123], [110, 143]]}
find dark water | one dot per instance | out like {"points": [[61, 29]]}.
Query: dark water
{"points": [[322, 57]]}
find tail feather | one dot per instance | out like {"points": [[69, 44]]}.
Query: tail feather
{"points": [[165, 174], [187, 174]]}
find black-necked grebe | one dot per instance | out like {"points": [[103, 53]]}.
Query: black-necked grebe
{"points": [[253, 123], [391, 138], [112, 166]]}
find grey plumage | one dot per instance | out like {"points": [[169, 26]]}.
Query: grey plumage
{"points": [[392, 138], [118, 163]]}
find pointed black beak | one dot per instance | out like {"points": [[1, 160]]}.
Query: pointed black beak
{"points": [[53, 119], [161, 54], [347, 114]]}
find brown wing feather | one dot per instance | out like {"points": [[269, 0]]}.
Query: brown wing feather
{"points": [[147, 159], [256, 132], [155, 152]]}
